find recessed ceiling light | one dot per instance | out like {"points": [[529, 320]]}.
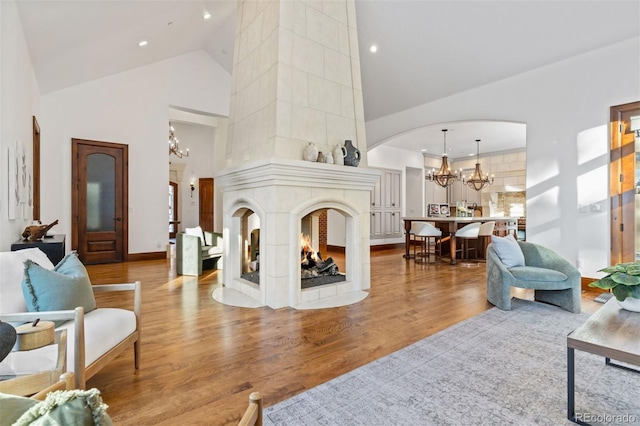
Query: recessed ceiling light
{"points": [[423, 150], [143, 43], [206, 15], [373, 48]]}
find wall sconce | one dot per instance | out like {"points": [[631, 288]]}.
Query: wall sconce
{"points": [[193, 188]]}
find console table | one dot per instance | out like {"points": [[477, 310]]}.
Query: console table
{"points": [[52, 246], [612, 333]]}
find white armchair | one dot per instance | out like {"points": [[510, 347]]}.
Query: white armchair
{"points": [[94, 338]]}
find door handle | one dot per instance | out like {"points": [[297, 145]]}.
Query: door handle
{"points": [[117, 219]]}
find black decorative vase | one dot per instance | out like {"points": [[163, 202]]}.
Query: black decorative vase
{"points": [[352, 158], [8, 338]]}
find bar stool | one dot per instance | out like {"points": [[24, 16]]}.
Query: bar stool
{"points": [[485, 232], [464, 235], [423, 233]]}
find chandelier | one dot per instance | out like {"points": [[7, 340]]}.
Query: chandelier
{"points": [[477, 180], [174, 144], [443, 176]]}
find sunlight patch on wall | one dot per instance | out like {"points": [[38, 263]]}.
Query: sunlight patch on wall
{"points": [[546, 207], [592, 190], [540, 170], [589, 144]]}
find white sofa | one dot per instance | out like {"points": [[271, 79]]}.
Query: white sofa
{"points": [[94, 338]]}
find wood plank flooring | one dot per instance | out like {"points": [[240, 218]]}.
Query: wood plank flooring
{"points": [[201, 359]]}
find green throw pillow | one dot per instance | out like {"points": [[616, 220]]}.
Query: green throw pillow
{"points": [[12, 407], [67, 286], [71, 407]]}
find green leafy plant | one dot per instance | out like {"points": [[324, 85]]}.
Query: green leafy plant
{"points": [[623, 280]]}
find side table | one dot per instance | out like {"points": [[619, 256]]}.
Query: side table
{"points": [[612, 333], [53, 247], [27, 383]]}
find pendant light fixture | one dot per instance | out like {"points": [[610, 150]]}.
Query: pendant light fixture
{"points": [[443, 176], [477, 180], [174, 144]]}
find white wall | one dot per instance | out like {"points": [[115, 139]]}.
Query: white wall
{"points": [[566, 109], [19, 103], [130, 108]]}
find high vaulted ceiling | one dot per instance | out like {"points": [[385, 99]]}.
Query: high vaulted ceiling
{"points": [[427, 49]]}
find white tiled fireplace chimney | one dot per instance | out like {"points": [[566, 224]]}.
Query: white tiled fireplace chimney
{"points": [[296, 80]]}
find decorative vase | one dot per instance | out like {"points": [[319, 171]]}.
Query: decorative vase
{"points": [[310, 152], [352, 157], [630, 304], [321, 158], [328, 157], [338, 155]]}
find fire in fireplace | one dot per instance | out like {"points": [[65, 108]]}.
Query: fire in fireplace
{"points": [[314, 270]]}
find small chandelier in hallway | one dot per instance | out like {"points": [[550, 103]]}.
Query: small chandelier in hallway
{"points": [[443, 176], [174, 144], [477, 180]]}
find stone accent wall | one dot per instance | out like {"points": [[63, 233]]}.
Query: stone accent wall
{"points": [[296, 80]]}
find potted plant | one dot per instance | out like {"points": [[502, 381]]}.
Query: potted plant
{"points": [[623, 280]]}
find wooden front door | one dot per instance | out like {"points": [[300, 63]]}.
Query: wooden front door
{"points": [[622, 182], [205, 198], [99, 201]]}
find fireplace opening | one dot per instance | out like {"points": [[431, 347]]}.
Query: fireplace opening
{"points": [[250, 256], [320, 262]]}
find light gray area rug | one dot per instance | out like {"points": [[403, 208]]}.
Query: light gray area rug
{"points": [[497, 368]]}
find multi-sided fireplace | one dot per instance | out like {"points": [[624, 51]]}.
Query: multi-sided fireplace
{"points": [[295, 81], [281, 193]]}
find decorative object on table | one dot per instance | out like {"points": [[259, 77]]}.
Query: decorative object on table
{"points": [[444, 210], [310, 152], [477, 180], [321, 158], [623, 280], [34, 335], [36, 232], [434, 209], [328, 157], [352, 156], [8, 338], [443, 176], [339, 152]]}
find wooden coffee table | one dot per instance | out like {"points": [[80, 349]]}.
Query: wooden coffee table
{"points": [[611, 332]]}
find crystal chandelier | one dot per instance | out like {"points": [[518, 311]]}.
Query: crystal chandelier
{"points": [[174, 144], [477, 180], [443, 176]]}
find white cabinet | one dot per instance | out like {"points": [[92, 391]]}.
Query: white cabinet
{"points": [[386, 206]]}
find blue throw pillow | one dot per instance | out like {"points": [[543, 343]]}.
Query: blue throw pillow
{"points": [[508, 250], [67, 286]]}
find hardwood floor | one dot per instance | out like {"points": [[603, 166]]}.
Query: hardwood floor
{"points": [[201, 359]]}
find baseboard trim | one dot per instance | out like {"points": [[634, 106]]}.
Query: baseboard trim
{"points": [[584, 284], [386, 246], [155, 255], [336, 249]]}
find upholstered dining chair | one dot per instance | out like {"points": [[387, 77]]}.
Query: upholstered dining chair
{"points": [[423, 233], [465, 235]]}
